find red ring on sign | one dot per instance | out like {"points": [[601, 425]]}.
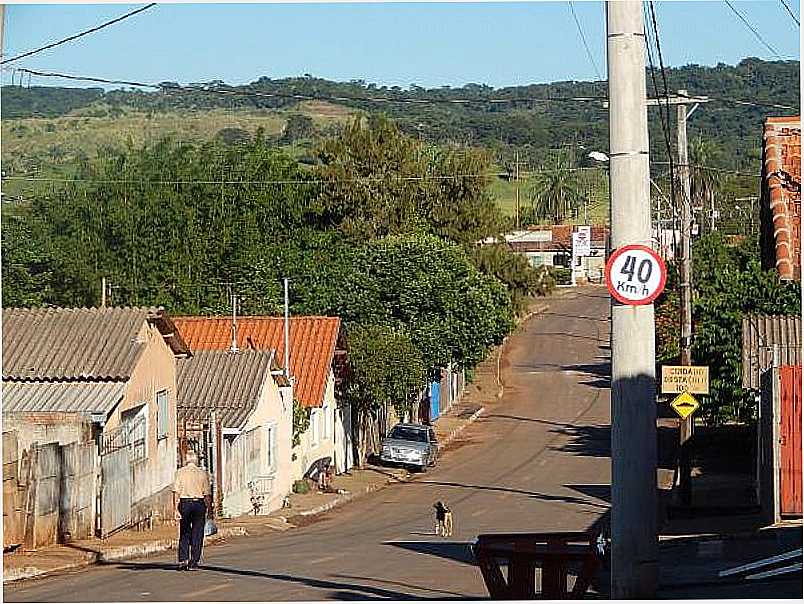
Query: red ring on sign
{"points": [[662, 278]]}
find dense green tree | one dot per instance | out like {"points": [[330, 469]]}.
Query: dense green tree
{"points": [[385, 370], [728, 283], [378, 181]]}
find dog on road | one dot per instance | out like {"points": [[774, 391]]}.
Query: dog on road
{"points": [[443, 519]]}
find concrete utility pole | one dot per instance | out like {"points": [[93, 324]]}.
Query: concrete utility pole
{"points": [[103, 292], [634, 566]]}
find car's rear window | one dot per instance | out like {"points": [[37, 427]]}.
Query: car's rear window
{"points": [[400, 433]]}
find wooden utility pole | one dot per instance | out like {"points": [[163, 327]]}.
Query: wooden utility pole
{"points": [[634, 547]]}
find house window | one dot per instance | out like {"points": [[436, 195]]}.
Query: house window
{"points": [[162, 414], [133, 432], [270, 447], [327, 424], [536, 261], [314, 419]]}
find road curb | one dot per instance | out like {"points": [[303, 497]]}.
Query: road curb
{"points": [[117, 554], [501, 386], [451, 436]]}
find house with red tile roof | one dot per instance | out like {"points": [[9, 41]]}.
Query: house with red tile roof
{"points": [[780, 204], [312, 355]]}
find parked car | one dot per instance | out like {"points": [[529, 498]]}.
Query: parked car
{"points": [[412, 445]]}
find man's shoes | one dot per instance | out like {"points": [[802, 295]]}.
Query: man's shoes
{"points": [[192, 568], [183, 566]]}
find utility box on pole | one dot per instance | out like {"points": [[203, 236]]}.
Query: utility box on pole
{"points": [[634, 564]]}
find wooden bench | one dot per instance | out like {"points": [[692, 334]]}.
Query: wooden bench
{"points": [[522, 553]]}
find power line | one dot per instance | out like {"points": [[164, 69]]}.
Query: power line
{"points": [[792, 14], [753, 30], [666, 117], [313, 97], [78, 35], [583, 39]]}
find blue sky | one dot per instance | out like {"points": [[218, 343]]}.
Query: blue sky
{"points": [[429, 44]]}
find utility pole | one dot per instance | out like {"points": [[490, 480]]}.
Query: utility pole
{"points": [[516, 179], [103, 292], [685, 426], [287, 330], [634, 566]]}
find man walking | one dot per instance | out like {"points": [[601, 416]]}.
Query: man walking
{"points": [[192, 497]]}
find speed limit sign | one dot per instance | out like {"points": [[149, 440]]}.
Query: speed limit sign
{"points": [[635, 275]]}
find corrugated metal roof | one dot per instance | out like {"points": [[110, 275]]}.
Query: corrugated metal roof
{"points": [[760, 334], [77, 343], [312, 345], [228, 383], [65, 397]]}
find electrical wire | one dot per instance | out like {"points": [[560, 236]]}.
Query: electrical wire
{"points": [[583, 39], [753, 30], [664, 115], [792, 14], [313, 97], [78, 35]]}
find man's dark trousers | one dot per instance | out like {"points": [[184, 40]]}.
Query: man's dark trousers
{"points": [[191, 530]]}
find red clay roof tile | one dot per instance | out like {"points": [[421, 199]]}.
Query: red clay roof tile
{"points": [[782, 191], [312, 345]]}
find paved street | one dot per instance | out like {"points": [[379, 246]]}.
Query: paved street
{"points": [[538, 460]]}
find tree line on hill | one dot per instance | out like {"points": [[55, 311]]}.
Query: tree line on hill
{"points": [[529, 124]]}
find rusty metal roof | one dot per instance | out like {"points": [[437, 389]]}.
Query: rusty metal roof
{"points": [[312, 345], [79, 343], [761, 333], [228, 383], [64, 397]]}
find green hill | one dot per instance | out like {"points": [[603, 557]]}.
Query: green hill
{"points": [[47, 129]]}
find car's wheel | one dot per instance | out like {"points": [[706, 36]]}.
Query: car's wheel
{"points": [[422, 468]]}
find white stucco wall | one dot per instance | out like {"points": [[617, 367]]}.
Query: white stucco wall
{"points": [[155, 371]]}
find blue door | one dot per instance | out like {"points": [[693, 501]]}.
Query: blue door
{"points": [[435, 396]]}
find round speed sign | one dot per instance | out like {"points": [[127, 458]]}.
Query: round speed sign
{"points": [[635, 275]]}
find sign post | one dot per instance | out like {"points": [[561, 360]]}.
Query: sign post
{"points": [[581, 246]]}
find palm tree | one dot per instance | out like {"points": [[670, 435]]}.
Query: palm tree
{"points": [[555, 194], [704, 183]]}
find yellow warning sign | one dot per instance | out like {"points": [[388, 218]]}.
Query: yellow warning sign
{"points": [[685, 405]]}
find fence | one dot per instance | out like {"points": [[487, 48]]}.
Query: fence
{"points": [[48, 492]]}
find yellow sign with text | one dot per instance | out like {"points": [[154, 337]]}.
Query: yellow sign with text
{"points": [[677, 379], [685, 405]]}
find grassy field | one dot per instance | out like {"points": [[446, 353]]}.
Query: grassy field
{"points": [[593, 184], [50, 147]]}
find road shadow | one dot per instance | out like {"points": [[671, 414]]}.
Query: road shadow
{"points": [[598, 491], [336, 590], [598, 374], [401, 584], [532, 494], [450, 550], [589, 441]]}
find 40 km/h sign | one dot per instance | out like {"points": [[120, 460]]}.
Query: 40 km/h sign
{"points": [[635, 275]]}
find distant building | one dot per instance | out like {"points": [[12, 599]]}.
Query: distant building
{"points": [[780, 203], [551, 245]]}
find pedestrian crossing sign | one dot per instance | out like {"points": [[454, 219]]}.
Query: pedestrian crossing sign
{"points": [[685, 405]]}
